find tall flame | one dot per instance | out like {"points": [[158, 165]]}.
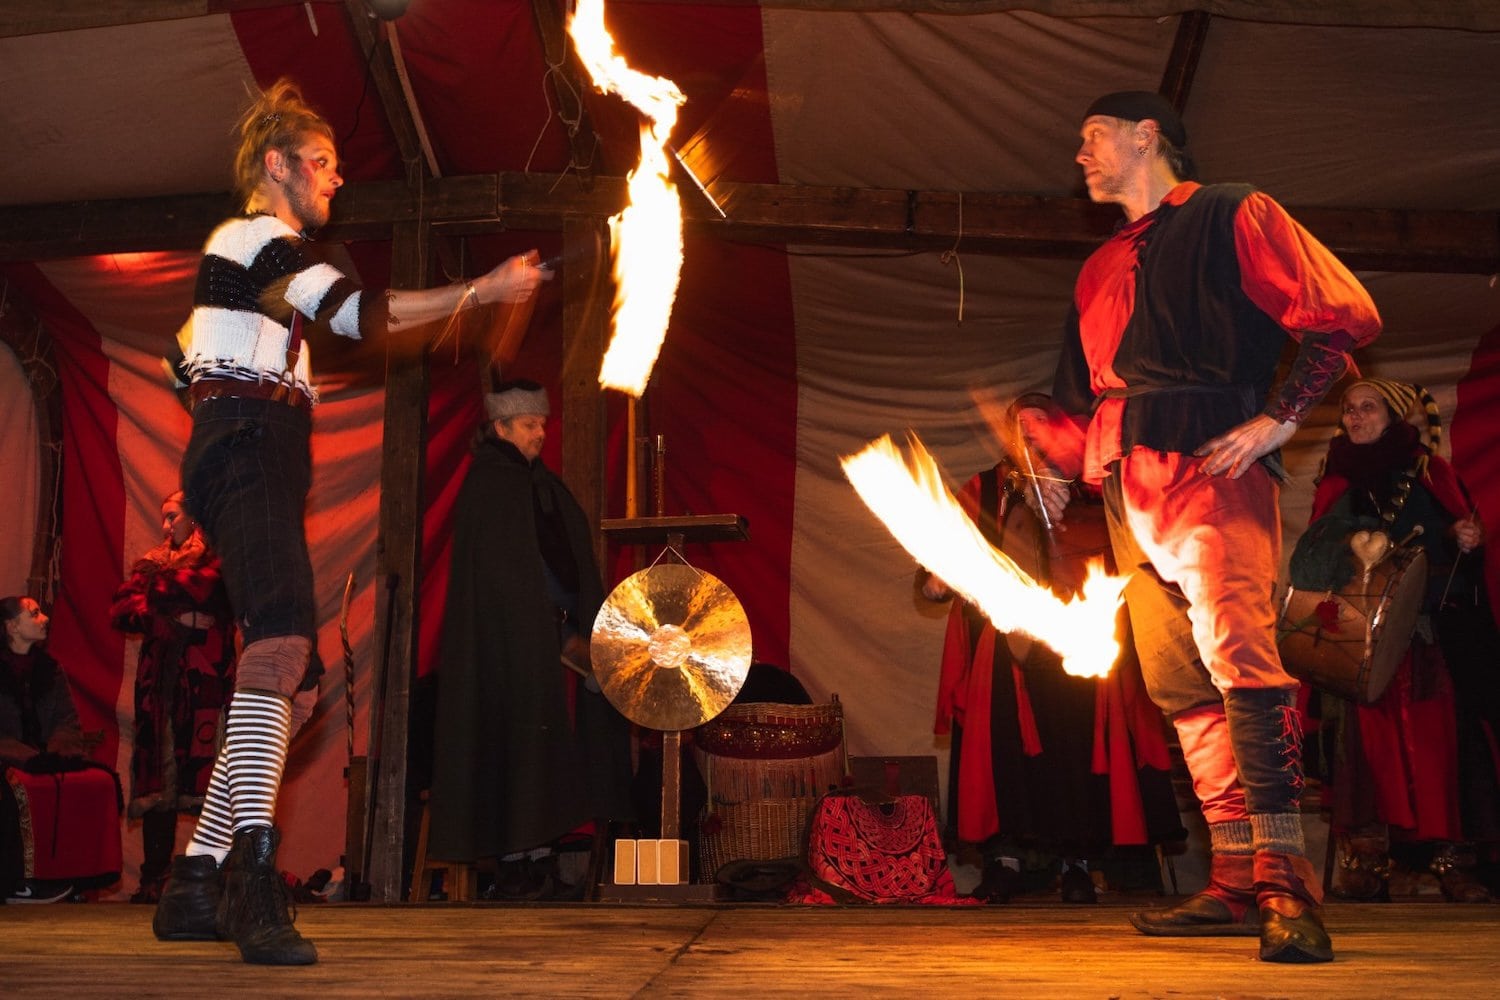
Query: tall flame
{"points": [[910, 498], [647, 235]]}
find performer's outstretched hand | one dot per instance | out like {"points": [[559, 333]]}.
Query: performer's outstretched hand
{"points": [[514, 280]]}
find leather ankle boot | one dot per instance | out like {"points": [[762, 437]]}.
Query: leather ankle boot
{"points": [[1454, 867], [256, 910], [1364, 868], [1291, 920], [189, 905], [1225, 907]]}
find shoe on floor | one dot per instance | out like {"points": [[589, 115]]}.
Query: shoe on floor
{"points": [[148, 893], [1078, 886], [37, 891], [256, 911], [188, 907], [998, 882]]}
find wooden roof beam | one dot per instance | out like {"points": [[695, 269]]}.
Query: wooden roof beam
{"points": [[30, 17], [868, 218]]}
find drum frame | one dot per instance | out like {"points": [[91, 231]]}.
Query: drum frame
{"points": [[1315, 655]]}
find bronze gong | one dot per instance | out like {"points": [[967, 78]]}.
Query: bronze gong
{"points": [[671, 647]]}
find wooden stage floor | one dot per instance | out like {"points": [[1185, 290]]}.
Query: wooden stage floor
{"points": [[1032, 951]]}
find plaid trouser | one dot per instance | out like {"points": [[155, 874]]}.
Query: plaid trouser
{"points": [[245, 477]]}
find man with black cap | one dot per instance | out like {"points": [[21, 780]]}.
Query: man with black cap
{"points": [[1172, 344], [527, 750]]}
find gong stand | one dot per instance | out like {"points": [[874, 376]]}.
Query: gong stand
{"points": [[659, 869]]}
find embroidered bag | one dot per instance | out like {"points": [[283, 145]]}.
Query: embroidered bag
{"points": [[877, 852]]}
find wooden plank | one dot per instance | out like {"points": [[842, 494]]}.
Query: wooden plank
{"points": [[865, 218], [124, 225], [62, 952], [381, 47]]}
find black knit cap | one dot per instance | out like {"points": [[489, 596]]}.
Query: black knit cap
{"points": [[1138, 105]]}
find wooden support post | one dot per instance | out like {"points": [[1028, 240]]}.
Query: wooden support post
{"points": [[587, 294], [398, 562]]}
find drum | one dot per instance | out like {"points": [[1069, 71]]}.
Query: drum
{"points": [[1350, 642]]}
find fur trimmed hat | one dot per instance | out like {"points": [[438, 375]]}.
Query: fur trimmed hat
{"points": [[516, 398]]}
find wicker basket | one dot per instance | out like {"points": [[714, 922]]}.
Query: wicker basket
{"points": [[765, 765]]}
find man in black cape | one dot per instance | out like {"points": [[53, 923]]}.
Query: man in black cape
{"points": [[526, 748]]}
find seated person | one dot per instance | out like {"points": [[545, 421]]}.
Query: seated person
{"points": [[59, 811], [1412, 781]]}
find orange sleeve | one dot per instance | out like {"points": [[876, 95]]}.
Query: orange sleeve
{"points": [[1295, 279]]}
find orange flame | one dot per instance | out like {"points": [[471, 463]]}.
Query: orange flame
{"points": [[647, 235], [911, 500]]}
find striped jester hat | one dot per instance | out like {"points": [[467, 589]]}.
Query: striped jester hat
{"points": [[1402, 398]]}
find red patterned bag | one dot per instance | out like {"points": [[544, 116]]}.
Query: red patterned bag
{"points": [[867, 852]]}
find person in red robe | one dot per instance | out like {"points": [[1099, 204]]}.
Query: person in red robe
{"points": [[1051, 772], [1414, 774], [176, 602]]}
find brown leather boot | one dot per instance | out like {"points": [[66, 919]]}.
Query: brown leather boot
{"points": [[1225, 907], [1454, 867], [1364, 868], [1291, 921]]}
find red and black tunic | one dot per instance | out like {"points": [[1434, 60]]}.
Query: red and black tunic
{"points": [[1179, 320]]}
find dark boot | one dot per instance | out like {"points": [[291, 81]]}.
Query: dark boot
{"points": [[189, 905], [1364, 868], [1291, 922], [997, 882], [256, 911], [1076, 885], [1454, 866], [1225, 907]]}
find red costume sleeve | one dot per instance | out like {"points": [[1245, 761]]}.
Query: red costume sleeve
{"points": [[955, 662], [130, 611], [1330, 488], [1296, 280], [1447, 488]]}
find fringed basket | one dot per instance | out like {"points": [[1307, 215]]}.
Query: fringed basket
{"points": [[765, 766]]}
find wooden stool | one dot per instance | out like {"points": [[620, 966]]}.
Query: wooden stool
{"points": [[459, 877]]}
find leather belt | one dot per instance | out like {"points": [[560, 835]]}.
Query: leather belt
{"points": [[216, 388]]}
